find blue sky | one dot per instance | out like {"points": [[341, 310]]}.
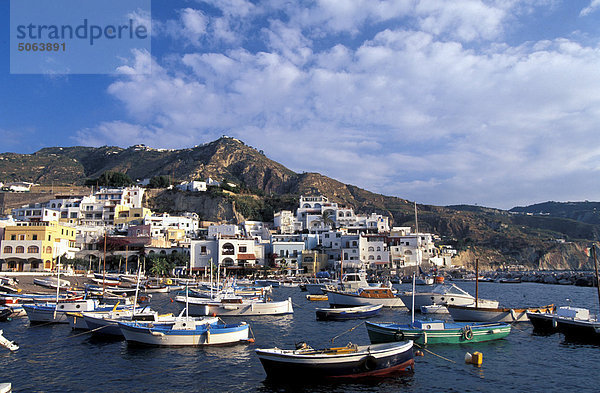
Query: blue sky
{"points": [[489, 102]]}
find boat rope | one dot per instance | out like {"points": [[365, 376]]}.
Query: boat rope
{"points": [[433, 353], [296, 305], [78, 334], [347, 331]]}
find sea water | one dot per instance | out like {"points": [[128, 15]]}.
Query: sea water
{"points": [[52, 358]]}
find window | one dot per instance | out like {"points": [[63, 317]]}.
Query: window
{"points": [[33, 249], [378, 248], [13, 237], [371, 257], [379, 257], [371, 248], [21, 237], [20, 249], [48, 250], [203, 249], [8, 250], [243, 249]]}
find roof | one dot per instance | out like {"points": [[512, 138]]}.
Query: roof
{"points": [[242, 257]]}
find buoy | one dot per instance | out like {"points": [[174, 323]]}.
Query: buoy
{"points": [[476, 358], [419, 353], [250, 340]]}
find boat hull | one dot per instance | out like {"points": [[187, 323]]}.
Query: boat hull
{"points": [[367, 361], [453, 333], [340, 314], [482, 314], [582, 331], [340, 299], [157, 336], [51, 313], [248, 308]]}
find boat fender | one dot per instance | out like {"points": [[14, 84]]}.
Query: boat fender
{"points": [[554, 324], [370, 363], [399, 336], [513, 314]]}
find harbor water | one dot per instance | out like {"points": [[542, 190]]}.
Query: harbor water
{"points": [[52, 358]]}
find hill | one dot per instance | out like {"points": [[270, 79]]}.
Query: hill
{"points": [[495, 236]]}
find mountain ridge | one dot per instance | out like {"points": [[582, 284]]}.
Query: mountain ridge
{"points": [[498, 237]]}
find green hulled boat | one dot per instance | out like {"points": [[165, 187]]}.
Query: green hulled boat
{"points": [[437, 332]]}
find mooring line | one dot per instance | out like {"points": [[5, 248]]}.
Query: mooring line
{"points": [[435, 354]]}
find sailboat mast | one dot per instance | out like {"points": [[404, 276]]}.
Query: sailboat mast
{"points": [[476, 282], [412, 316], [596, 268], [104, 266]]}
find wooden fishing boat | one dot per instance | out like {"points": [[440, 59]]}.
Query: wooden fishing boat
{"points": [[489, 314], [106, 323], [51, 282], [351, 361], [185, 332], [338, 314], [5, 313], [237, 306], [364, 297], [56, 312], [437, 332]]}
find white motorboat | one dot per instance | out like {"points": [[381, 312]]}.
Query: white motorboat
{"points": [[444, 294]]}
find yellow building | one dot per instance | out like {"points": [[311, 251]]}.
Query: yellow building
{"points": [[130, 215], [175, 235], [36, 246], [313, 262]]}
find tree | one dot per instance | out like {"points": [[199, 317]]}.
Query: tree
{"points": [[159, 182], [111, 179]]}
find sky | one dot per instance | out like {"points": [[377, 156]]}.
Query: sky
{"points": [[487, 102]]}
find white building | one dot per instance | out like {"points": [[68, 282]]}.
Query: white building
{"points": [[196, 186], [318, 215], [374, 250], [225, 252], [284, 222], [161, 223], [230, 230]]}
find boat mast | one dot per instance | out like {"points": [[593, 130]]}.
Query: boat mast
{"points": [[104, 265], [211, 281], [596, 268], [57, 285], [476, 282], [419, 257], [412, 317], [57, 279], [137, 288]]}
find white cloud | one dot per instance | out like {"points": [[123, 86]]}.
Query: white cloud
{"points": [[412, 111], [594, 5]]}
